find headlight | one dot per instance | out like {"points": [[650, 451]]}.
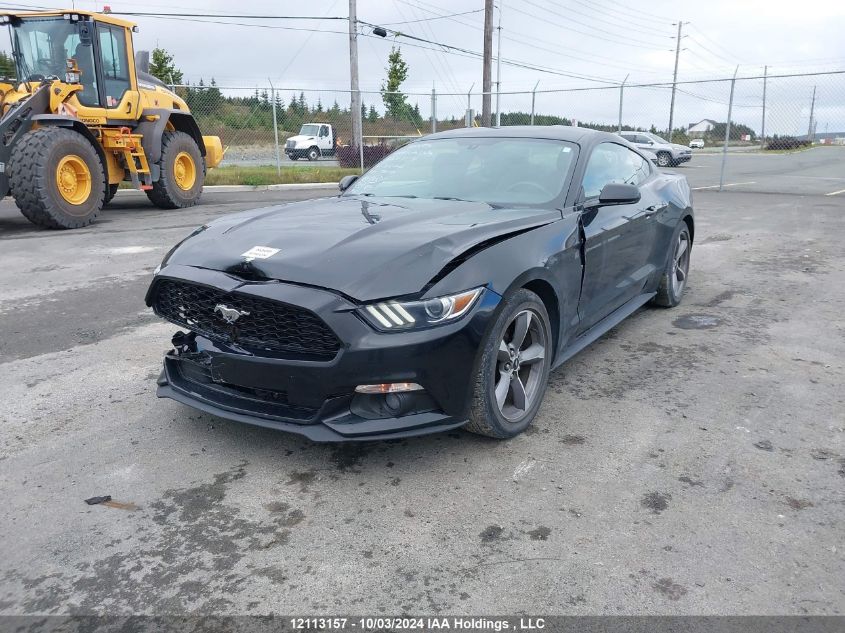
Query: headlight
{"points": [[406, 315]]}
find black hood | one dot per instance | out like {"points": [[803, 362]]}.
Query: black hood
{"points": [[364, 248]]}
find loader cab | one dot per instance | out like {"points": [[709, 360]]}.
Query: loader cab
{"points": [[102, 50]]}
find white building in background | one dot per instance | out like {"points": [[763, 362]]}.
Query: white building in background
{"points": [[701, 128]]}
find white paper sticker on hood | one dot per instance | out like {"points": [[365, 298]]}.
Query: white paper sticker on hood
{"points": [[259, 252]]}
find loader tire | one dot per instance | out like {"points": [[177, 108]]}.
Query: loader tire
{"points": [[110, 191], [182, 173], [56, 178]]}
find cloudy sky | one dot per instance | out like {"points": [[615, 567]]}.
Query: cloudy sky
{"points": [[560, 43]]}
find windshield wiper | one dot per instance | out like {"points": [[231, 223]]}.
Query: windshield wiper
{"points": [[376, 195], [451, 198]]}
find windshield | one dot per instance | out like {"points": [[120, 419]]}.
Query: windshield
{"points": [[43, 46], [309, 130], [499, 171]]}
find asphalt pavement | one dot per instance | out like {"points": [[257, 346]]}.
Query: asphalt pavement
{"points": [[691, 461], [820, 170]]}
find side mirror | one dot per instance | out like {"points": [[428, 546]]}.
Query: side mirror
{"points": [[346, 182], [619, 193], [614, 193]]}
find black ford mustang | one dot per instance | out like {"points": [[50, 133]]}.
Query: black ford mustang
{"points": [[437, 290]]}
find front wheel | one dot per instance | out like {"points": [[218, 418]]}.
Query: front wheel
{"points": [[313, 153], [514, 369], [182, 173], [674, 278], [56, 177]]}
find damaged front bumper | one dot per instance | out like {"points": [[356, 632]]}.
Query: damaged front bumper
{"points": [[317, 398]]}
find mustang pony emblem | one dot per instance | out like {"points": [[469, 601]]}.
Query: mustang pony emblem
{"points": [[230, 315]]}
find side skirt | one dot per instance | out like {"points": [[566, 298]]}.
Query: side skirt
{"points": [[603, 327]]}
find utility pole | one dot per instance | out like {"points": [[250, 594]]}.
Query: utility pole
{"points": [[275, 127], [488, 62], [811, 133], [499, 69], [621, 94], [727, 132], [763, 124], [675, 80], [355, 92]]}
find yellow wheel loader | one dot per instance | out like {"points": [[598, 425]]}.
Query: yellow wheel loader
{"points": [[79, 118]]}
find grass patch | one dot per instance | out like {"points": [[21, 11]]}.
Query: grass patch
{"points": [[267, 175]]}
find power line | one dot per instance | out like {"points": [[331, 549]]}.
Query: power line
{"points": [[238, 16], [611, 20], [439, 17], [593, 34], [614, 11]]}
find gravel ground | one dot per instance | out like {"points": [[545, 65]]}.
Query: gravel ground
{"points": [[690, 462]]}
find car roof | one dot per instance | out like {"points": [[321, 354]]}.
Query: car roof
{"points": [[579, 135]]}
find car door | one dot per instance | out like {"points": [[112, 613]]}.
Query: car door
{"points": [[325, 138], [618, 238]]}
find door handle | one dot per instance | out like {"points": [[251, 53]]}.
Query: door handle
{"points": [[650, 211]]}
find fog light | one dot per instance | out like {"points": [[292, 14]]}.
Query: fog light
{"points": [[388, 387]]}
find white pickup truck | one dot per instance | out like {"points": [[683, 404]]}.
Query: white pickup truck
{"points": [[313, 141]]}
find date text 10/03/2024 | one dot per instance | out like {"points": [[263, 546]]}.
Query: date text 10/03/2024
{"points": [[468, 624]]}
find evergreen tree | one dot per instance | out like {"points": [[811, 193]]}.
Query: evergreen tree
{"points": [[7, 66], [372, 115], [395, 104], [162, 67]]}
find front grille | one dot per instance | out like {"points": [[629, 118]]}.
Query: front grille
{"points": [[269, 326]]}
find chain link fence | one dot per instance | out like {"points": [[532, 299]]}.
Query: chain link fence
{"points": [[747, 133]]}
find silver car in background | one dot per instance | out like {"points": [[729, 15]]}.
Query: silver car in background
{"points": [[666, 154]]}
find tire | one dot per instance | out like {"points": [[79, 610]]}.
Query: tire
{"points": [[664, 159], [489, 417], [41, 161], [313, 153], [673, 281], [110, 191], [182, 173], [294, 156]]}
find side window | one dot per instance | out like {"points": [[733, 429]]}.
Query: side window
{"points": [[324, 130], [631, 138], [642, 170], [609, 163], [115, 63]]}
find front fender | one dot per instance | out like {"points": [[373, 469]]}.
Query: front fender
{"points": [[550, 254]]}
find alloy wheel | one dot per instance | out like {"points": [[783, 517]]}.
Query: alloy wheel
{"points": [[680, 263], [520, 365]]}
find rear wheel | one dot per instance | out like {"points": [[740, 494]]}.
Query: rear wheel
{"points": [[514, 368], [56, 178], [664, 159], [674, 278], [110, 191], [182, 174]]}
